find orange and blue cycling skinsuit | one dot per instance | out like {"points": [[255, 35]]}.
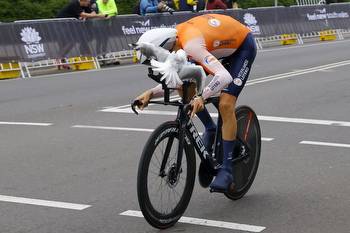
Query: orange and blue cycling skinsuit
{"points": [[210, 37]]}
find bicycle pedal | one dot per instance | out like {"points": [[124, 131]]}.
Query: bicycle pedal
{"points": [[211, 190]]}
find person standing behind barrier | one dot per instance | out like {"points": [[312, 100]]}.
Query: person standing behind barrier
{"points": [[107, 7], [188, 5], [79, 9], [153, 6], [75, 9], [216, 4], [150, 6], [191, 5]]}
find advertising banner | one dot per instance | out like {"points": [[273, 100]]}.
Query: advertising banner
{"points": [[33, 41]]}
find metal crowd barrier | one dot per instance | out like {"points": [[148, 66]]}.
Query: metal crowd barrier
{"points": [[48, 43], [310, 2], [338, 34]]}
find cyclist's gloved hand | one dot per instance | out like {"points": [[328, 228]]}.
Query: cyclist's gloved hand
{"points": [[144, 98], [197, 105]]}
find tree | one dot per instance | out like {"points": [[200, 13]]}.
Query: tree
{"points": [[12, 10]]}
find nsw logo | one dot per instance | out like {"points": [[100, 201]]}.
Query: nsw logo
{"points": [[252, 23], [33, 47]]}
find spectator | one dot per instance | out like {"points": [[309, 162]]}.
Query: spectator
{"points": [[153, 6], [231, 4], [92, 7], [201, 5], [187, 5], [190, 5], [216, 4], [107, 7], [78, 9], [169, 3], [176, 4]]}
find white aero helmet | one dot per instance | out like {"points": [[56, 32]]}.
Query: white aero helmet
{"points": [[160, 37]]}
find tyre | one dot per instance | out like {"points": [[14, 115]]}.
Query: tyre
{"points": [[164, 196], [244, 171]]}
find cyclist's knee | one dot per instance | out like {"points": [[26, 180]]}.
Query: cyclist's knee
{"points": [[227, 104]]}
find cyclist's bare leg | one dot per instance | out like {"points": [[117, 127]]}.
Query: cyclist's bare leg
{"points": [[224, 178], [227, 111]]}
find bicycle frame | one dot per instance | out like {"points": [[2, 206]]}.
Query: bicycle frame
{"points": [[188, 130]]}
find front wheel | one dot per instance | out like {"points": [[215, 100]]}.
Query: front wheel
{"points": [[164, 188], [249, 135]]}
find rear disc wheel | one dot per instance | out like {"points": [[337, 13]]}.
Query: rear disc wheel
{"points": [[249, 135]]}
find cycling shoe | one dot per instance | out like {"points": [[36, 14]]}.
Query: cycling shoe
{"points": [[222, 181]]}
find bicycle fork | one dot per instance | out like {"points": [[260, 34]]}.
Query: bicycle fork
{"points": [[175, 168]]}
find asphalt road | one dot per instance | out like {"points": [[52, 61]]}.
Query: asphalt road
{"points": [[302, 184]]}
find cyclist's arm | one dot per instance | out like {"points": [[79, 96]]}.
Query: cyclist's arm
{"points": [[197, 51], [157, 91]]}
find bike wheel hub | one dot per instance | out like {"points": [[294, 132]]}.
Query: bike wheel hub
{"points": [[173, 176]]}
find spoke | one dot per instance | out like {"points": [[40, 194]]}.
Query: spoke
{"points": [[176, 202], [155, 155], [182, 186], [161, 201], [169, 202], [177, 193], [154, 173]]}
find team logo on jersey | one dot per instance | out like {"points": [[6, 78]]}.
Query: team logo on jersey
{"points": [[238, 82], [214, 22], [209, 59], [218, 43]]}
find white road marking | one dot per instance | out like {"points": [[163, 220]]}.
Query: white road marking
{"points": [[25, 123], [112, 128], [206, 222], [134, 129], [267, 139], [147, 112], [261, 118], [297, 73], [64, 205], [304, 121], [325, 144]]}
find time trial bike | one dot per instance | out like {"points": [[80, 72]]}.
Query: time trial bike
{"points": [[167, 168]]}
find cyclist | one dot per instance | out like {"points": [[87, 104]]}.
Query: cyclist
{"points": [[205, 39]]}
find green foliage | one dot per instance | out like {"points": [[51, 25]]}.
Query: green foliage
{"points": [[263, 3], [126, 6], [25, 9], [12, 10]]}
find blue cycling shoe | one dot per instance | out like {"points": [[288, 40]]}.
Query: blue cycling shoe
{"points": [[222, 181]]}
